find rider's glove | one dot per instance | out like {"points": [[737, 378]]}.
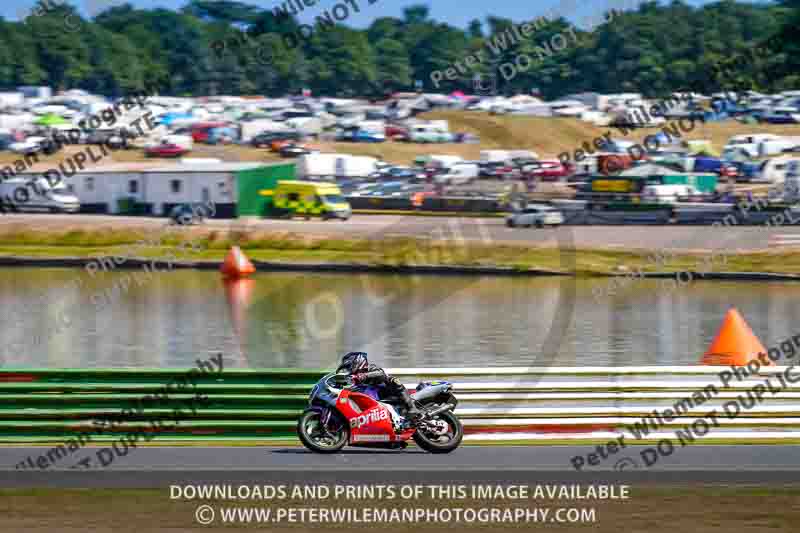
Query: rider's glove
{"points": [[358, 378]]}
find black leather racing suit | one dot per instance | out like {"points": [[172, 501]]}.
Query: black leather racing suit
{"points": [[376, 376]]}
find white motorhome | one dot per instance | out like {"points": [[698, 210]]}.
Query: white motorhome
{"points": [[250, 128], [504, 156], [759, 144]]}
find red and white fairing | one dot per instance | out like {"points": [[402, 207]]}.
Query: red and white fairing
{"points": [[370, 420]]}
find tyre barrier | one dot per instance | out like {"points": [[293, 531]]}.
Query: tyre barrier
{"points": [[379, 202], [533, 405], [463, 204]]}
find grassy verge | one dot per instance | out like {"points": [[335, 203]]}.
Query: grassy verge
{"points": [[650, 508], [211, 245]]}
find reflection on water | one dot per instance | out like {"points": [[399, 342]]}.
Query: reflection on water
{"points": [[309, 320]]}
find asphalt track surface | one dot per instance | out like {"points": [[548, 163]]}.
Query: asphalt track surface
{"points": [[532, 458], [485, 230], [160, 466]]}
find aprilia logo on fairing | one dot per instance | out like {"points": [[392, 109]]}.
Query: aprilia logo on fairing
{"points": [[369, 418]]}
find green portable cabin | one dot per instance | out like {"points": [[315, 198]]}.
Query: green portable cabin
{"points": [[264, 177], [654, 174], [705, 183]]}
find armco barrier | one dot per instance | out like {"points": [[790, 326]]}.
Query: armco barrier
{"points": [[557, 404]]}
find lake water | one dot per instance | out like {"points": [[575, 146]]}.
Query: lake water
{"points": [[309, 320]]}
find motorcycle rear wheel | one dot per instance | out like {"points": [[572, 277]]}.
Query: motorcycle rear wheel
{"points": [[433, 443], [315, 438]]}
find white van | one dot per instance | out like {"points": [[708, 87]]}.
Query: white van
{"points": [[459, 174], [667, 194], [25, 195]]}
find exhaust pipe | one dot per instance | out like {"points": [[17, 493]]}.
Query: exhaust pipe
{"points": [[440, 410]]}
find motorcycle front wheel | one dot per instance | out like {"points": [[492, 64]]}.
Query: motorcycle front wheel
{"points": [[318, 438], [443, 434]]}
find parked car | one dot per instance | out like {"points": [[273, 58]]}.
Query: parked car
{"points": [[397, 173], [782, 115], [39, 196], [535, 215], [426, 133], [360, 136], [398, 133], [667, 194], [165, 150], [266, 138], [547, 170], [458, 174], [109, 137], [495, 170], [294, 150]]}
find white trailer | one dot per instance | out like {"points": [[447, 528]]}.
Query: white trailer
{"points": [[339, 165], [251, 128]]}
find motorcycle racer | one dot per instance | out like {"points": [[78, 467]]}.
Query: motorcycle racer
{"points": [[357, 365]]}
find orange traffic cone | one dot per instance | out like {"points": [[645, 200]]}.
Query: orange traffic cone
{"points": [[236, 264], [735, 343]]}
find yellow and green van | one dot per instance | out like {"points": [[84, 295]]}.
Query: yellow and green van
{"points": [[309, 198]]}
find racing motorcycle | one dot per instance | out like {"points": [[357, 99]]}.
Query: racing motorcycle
{"points": [[341, 413]]}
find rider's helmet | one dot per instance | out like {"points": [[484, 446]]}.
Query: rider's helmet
{"points": [[354, 362]]}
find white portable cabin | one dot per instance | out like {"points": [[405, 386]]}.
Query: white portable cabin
{"points": [[158, 185]]}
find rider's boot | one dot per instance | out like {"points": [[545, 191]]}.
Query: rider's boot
{"points": [[412, 412]]}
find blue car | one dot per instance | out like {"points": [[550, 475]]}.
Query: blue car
{"points": [[708, 164]]}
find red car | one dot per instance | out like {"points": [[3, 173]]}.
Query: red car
{"points": [[398, 133], [728, 171], [547, 170], [201, 130], [165, 150]]}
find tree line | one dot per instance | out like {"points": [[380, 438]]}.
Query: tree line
{"points": [[654, 49]]}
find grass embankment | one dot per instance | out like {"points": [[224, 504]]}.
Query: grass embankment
{"points": [[212, 245], [651, 508], [546, 136]]}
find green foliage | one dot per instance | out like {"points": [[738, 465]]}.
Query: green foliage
{"points": [[654, 49]]}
